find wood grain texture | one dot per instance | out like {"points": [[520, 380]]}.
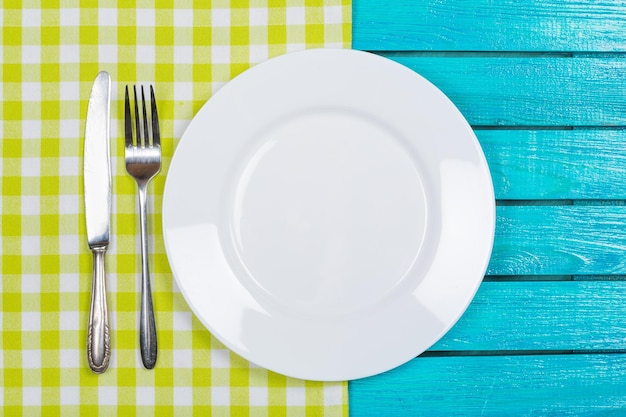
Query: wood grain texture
{"points": [[545, 385], [522, 91], [559, 240], [485, 25], [542, 83], [540, 315], [556, 164]]}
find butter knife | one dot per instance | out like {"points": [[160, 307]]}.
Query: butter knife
{"points": [[97, 181]]}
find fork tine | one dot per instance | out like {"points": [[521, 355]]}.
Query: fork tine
{"points": [[128, 124], [137, 125], [156, 134], [146, 135]]}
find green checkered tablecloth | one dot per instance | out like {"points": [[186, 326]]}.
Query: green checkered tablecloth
{"points": [[50, 54]]}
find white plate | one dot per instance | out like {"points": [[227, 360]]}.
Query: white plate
{"points": [[328, 214]]}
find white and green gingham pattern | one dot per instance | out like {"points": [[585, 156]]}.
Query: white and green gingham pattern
{"points": [[50, 53]]}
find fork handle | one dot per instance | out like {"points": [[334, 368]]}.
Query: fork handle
{"points": [[147, 326]]}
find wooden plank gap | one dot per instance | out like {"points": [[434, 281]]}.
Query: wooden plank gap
{"points": [[600, 128], [475, 54], [542, 352], [614, 54], [518, 203], [527, 278], [553, 278], [619, 277], [509, 352], [523, 127], [600, 202]]}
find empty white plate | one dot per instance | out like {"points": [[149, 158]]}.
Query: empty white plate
{"points": [[328, 214]]}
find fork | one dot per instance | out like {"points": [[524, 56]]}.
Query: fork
{"points": [[143, 162]]}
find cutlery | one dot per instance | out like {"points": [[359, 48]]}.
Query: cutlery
{"points": [[143, 162], [97, 182]]}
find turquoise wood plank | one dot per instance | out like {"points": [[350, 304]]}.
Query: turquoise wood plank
{"points": [[521, 91], [550, 385], [485, 25], [559, 240], [540, 315], [556, 164]]}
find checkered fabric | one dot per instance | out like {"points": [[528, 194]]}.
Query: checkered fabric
{"points": [[50, 54]]}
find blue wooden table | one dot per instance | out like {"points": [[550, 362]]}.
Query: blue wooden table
{"points": [[543, 85]]}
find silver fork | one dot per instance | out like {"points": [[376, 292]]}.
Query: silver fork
{"points": [[143, 162]]}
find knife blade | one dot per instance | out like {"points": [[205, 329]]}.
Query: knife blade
{"points": [[97, 184]]}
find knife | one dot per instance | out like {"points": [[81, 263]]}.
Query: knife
{"points": [[97, 181]]}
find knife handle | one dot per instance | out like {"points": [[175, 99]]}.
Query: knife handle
{"points": [[98, 338]]}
